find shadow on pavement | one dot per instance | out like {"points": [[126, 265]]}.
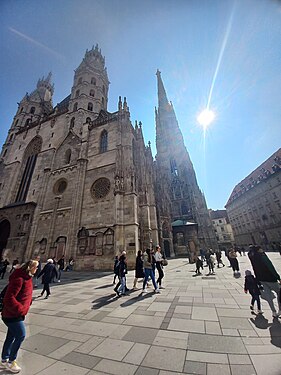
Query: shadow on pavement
{"points": [[274, 328]]}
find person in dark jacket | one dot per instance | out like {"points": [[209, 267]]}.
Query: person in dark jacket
{"points": [[17, 301], [3, 267], [199, 264], [267, 275], [139, 273], [60, 265], [253, 286], [120, 288], [47, 273], [116, 269]]}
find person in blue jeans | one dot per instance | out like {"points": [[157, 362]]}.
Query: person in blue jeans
{"points": [[148, 271], [17, 301]]}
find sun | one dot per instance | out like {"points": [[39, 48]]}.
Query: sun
{"points": [[206, 117]]}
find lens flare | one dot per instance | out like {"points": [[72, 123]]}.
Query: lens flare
{"points": [[206, 117]]}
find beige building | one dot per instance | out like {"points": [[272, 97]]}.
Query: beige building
{"points": [[254, 206], [78, 180], [222, 228]]}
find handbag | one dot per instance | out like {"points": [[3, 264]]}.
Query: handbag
{"points": [[164, 262]]}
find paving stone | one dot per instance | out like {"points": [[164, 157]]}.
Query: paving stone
{"points": [[187, 325], [200, 356], [63, 368], [165, 358], [144, 321], [159, 306], [237, 323], [81, 360], [136, 354], [198, 368], [216, 344], [213, 328], [218, 369], [32, 363], [239, 359], [116, 368], [147, 371], [248, 370], [170, 342], [64, 350], [43, 344], [204, 313], [141, 335], [112, 349]]}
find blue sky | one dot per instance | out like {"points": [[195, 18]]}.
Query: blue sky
{"points": [[188, 40]]}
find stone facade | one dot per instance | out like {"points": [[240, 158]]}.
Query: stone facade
{"points": [[254, 207], [222, 228], [78, 180]]}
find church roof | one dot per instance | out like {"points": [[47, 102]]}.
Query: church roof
{"points": [[265, 170], [179, 223]]}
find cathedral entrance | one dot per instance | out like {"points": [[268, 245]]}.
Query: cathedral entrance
{"points": [[167, 251], [5, 229]]}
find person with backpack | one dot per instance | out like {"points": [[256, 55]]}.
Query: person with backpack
{"points": [[16, 304], [254, 287]]}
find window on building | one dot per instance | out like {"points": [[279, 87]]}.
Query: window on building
{"points": [[93, 81], [92, 92], [4, 153], [27, 122], [103, 141], [72, 122], [79, 80], [180, 239], [184, 208], [102, 102], [88, 120], [32, 110], [173, 165], [90, 106], [77, 93], [75, 107], [109, 237], [67, 156]]}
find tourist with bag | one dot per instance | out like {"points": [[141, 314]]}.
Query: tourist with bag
{"points": [[159, 265]]}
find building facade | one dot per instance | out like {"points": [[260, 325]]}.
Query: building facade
{"points": [[78, 180], [222, 228], [254, 206]]}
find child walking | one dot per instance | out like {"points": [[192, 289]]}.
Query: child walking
{"points": [[253, 286]]}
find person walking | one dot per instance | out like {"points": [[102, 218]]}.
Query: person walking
{"points": [[17, 301], [199, 264], [148, 271], [139, 273], [3, 267], [159, 265], [267, 275], [15, 264], [39, 268], [232, 256], [253, 286], [115, 269], [219, 260], [120, 288], [47, 275], [60, 265]]}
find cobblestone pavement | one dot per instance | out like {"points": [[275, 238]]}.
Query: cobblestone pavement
{"points": [[197, 325]]}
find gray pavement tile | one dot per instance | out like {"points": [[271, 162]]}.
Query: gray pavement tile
{"points": [[206, 357], [90, 345], [136, 354], [81, 360], [112, 349], [237, 323], [115, 368], [218, 369], [63, 368], [31, 363], [98, 317], [212, 328], [141, 335], [216, 344], [165, 358], [145, 321], [204, 313], [187, 325], [230, 332], [43, 344], [267, 364], [239, 359], [192, 367], [248, 370], [64, 350], [146, 371], [74, 301]]}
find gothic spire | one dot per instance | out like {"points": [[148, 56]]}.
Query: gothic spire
{"points": [[162, 96]]}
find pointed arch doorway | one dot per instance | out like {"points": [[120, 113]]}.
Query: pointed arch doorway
{"points": [[5, 229]]}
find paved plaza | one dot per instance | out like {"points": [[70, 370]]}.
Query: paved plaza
{"points": [[197, 325]]}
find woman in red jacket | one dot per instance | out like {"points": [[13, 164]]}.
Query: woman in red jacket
{"points": [[17, 301]]}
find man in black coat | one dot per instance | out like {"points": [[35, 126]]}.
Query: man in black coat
{"points": [[267, 275], [47, 273]]}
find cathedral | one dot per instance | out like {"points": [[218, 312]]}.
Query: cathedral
{"points": [[78, 180]]}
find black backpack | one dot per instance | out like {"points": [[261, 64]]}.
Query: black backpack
{"points": [[2, 295]]}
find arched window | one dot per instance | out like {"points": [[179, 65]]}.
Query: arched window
{"points": [[184, 209], [75, 107], [103, 89], [92, 92], [102, 102], [16, 123], [77, 93], [79, 80], [180, 239], [93, 81], [32, 110], [28, 165], [103, 141], [72, 122], [67, 156], [88, 120], [11, 137], [27, 121], [21, 109], [90, 106]]}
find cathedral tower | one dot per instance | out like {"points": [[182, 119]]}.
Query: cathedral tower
{"points": [[183, 217]]}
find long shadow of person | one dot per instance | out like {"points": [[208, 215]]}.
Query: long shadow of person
{"points": [[103, 301], [274, 328]]}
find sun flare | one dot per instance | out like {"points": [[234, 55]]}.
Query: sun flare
{"points": [[206, 117]]}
